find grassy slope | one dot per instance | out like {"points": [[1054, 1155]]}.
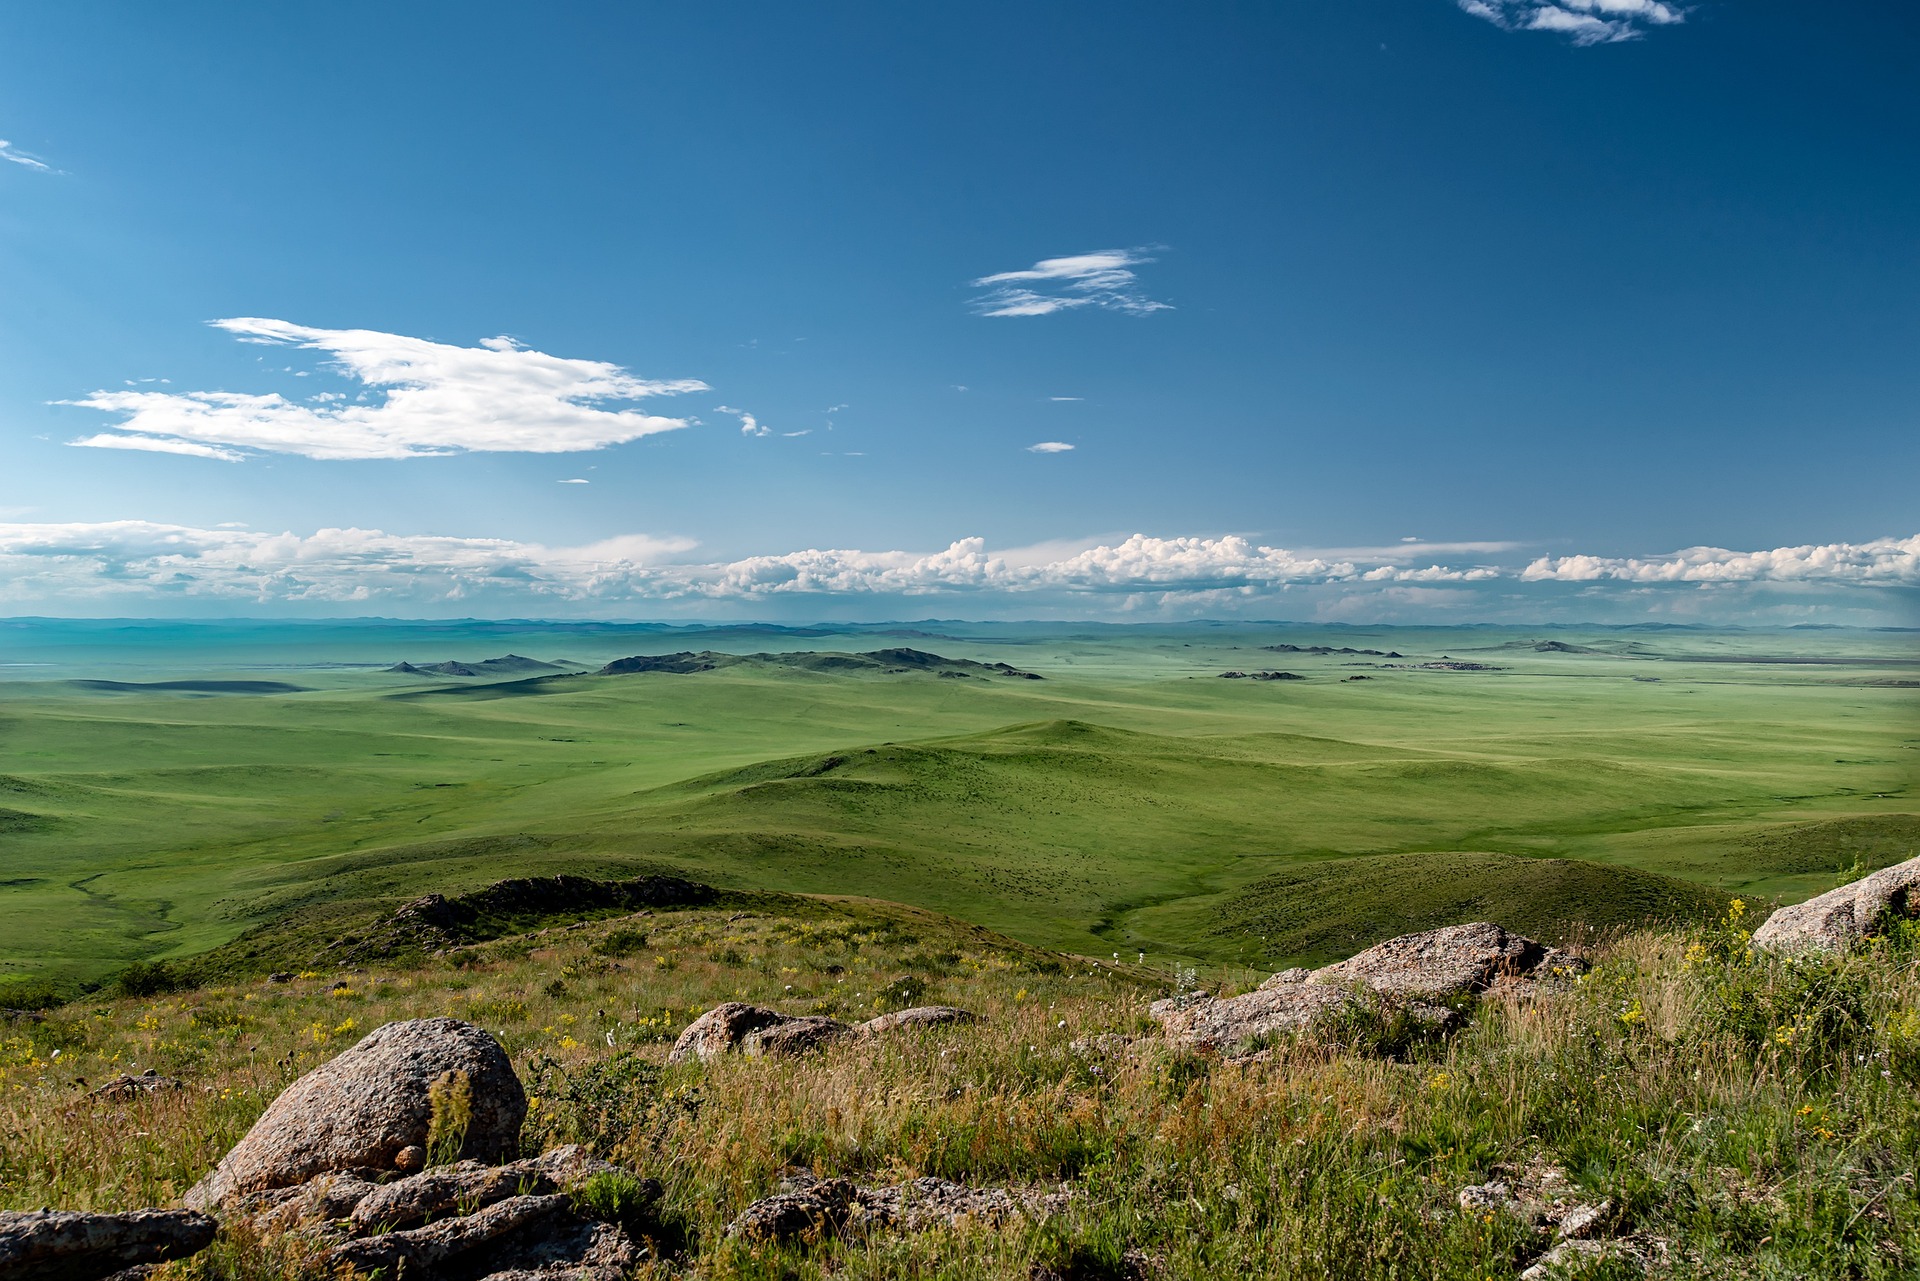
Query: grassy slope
{"points": [[1120, 803], [1759, 1121]]}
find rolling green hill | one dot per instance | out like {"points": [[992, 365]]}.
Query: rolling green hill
{"points": [[1127, 801]]}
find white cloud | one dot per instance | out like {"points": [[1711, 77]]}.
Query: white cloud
{"points": [[9, 152], [147, 562], [1586, 22], [1063, 399], [576, 480], [1103, 279], [1892, 561], [1049, 447], [433, 398], [749, 425]]}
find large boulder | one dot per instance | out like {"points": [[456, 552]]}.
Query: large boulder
{"points": [[1456, 961], [58, 1245], [360, 1111], [721, 1030], [1837, 920], [1413, 972]]}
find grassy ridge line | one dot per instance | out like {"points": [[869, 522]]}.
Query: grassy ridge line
{"points": [[1753, 1119]]}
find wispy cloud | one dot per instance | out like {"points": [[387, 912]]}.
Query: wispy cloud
{"points": [[1049, 447], [749, 425], [576, 480], [435, 398], [1103, 279], [1062, 399], [9, 152], [1584, 21]]}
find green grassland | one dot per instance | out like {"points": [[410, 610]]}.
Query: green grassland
{"points": [[1744, 1117], [1132, 800]]}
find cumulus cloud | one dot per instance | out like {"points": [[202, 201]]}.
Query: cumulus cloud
{"points": [[431, 398], [1887, 561], [9, 152], [149, 562], [1585, 22], [1049, 447], [1103, 279]]}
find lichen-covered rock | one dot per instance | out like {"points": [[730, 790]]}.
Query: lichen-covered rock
{"points": [[721, 1030], [1456, 961], [809, 1206], [361, 1109], [916, 1019], [1203, 1022], [426, 1250], [466, 1186], [1414, 973], [59, 1245], [793, 1036], [1839, 919]]}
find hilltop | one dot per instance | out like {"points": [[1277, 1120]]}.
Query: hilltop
{"points": [[1685, 1106]]}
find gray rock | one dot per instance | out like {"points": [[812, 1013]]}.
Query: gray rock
{"points": [[1456, 961], [1580, 1220], [315, 1208], [1839, 919], [721, 1030], [1572, 1258], [427, 1249], [467, 1186], [58, 1245], [793, 1036], [916, 1019], [806, 1206], [361, 1109], [1203, 1022], [1286, 978]]}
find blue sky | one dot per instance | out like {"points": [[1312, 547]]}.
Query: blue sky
{"points": [[1346, 308]]}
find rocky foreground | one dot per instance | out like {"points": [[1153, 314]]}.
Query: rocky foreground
{"points": [[405, 1156]]}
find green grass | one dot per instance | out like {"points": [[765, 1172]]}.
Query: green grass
{"points": [[1756, 1117], [1120, 804]]}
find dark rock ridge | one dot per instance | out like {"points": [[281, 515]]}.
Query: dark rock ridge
{"points": [[1263, 676], [1839, 920], [897, 660], [1423, 974], [61, 1245], [433, 921], [506, 664], [361, 1110]]}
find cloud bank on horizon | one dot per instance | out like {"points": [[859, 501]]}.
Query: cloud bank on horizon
{"points": [[1585, 22], [150, 563], [433, 399]]}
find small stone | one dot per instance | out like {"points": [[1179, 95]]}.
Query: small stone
{"points": [[410, 1159]]}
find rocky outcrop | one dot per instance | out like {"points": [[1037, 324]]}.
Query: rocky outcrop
{"points": [[807, 1205], [919, 1018], [360, 1110], [58, 1245], [755, 1030], [1838, 920], [467, 1186], [1418, 973], [1456, 961]]}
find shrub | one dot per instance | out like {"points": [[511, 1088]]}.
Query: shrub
{"points": [[624, 941], [148, 978]]}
